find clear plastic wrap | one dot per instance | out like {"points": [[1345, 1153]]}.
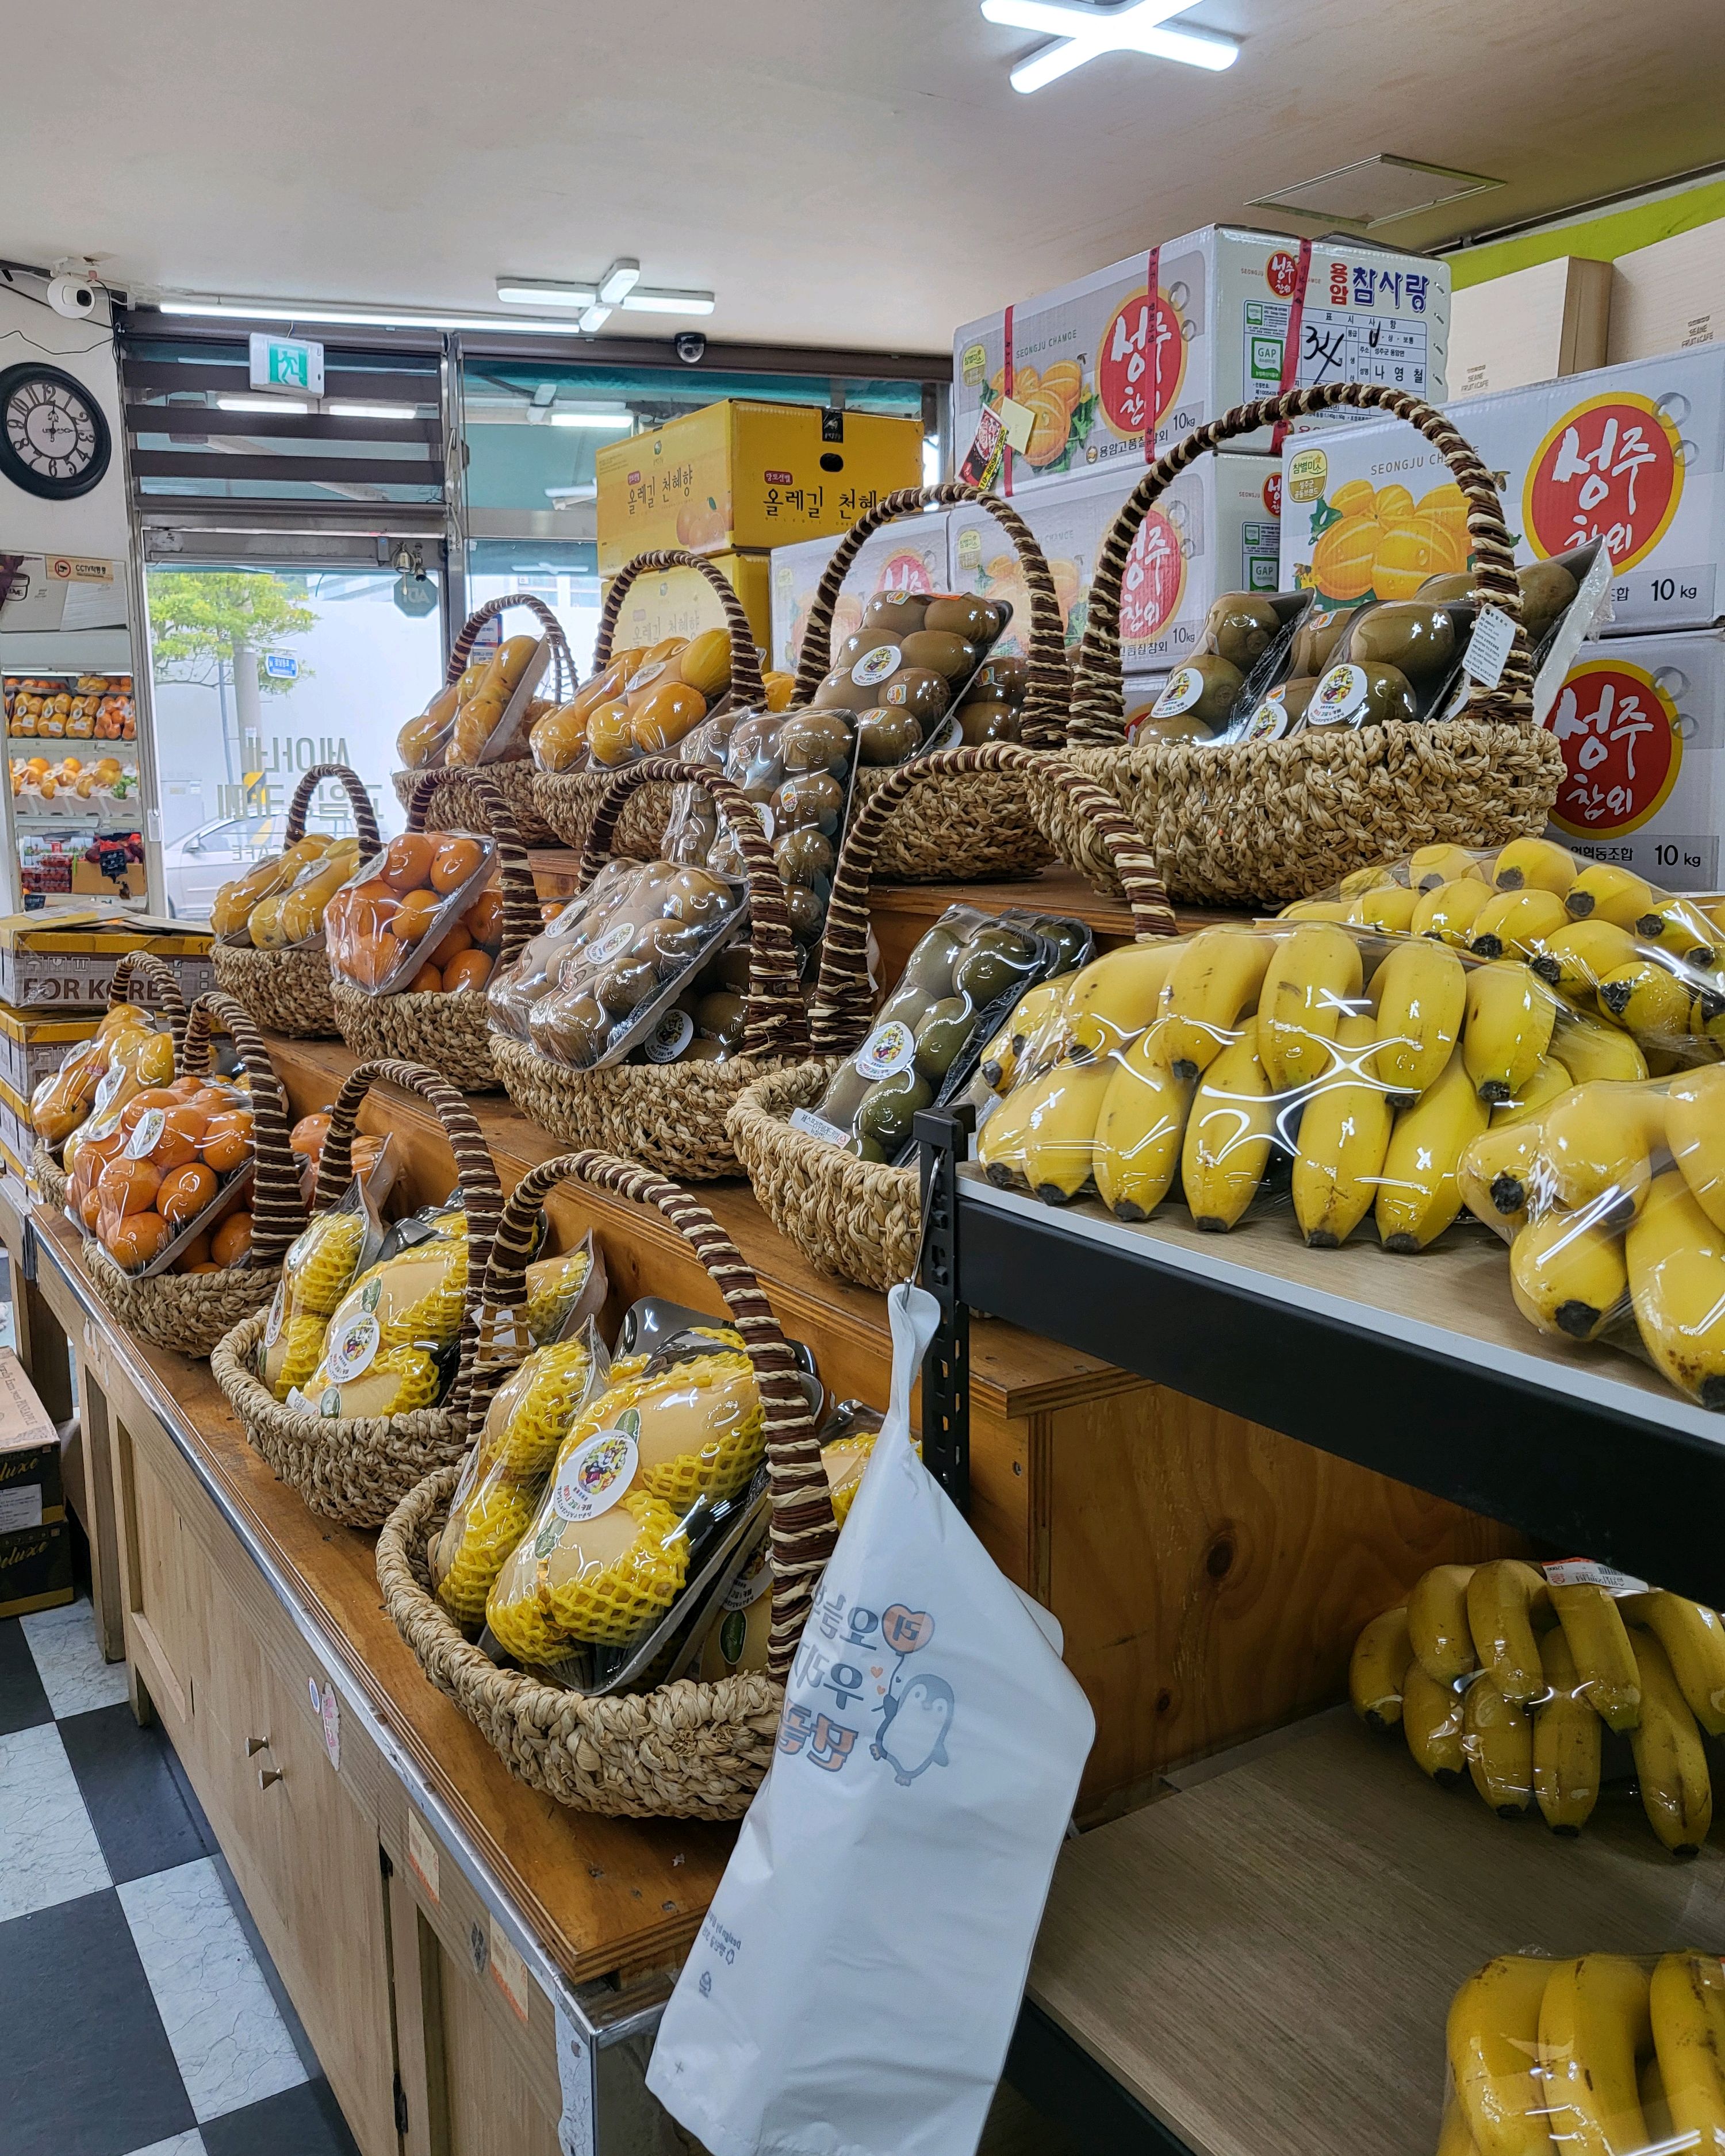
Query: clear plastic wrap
{"points": [[96, 1077], [321, 1265], [292, 911], [390, 1345], [1244, 650], [371, 1156], [161, 1185], [646, 701], [912, 676], [418, 916]]}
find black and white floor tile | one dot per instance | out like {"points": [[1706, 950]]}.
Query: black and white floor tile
{"points": [[138, 2014]]}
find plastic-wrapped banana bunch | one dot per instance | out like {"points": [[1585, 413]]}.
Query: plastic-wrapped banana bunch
{"points": [[1601, 2051], [505, 1475], [1512, 1675], [1650, 961], [670, 1436], [1344, 1069], [388, 1347]]}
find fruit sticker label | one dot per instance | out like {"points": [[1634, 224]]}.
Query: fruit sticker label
{"points": [[1623, 748], [615, 940], [1339, 698], [1154, 582], [670, 1037], [877, 666], [1184, 687], [145, 1139], [1583, 1572], [1612, 469], [644, 676], [351, 1348], [817, 1126], [598, 1472], [748, 1587], [890, 1047], [1270, 721], [1136, 363], [278, 1314]]}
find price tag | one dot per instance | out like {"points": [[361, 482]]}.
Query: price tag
{"points": [[1583, 1572], [817, 1126], [422, 1854], [510, 1973], [1488, 647]]}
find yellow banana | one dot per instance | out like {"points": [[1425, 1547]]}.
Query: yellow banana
{"points": [[1344, 1134], [1437, 1623], [1115, 997], [1550, 1081], [1593, 2024], [1228, 1135], [1061, 1126], [1695, 1131], [1706, 1017], [1312, 977], [1138, 1131], [1566, 1744], [1316, 909], [1493, 2040], [1606, 1671], [1694, 1641], [1214, 980], [1377, 1669], [1578, 959], [1602, 893], [1676, 1276], [1687, 2001], [1534, 864], [1359, 881], [1679, 927], [1000, 1139], [1497, 1738], [1493, 1175], [1449, 912], [1037, 1008], [1647, 999], [1453, 2136], [1506, 1601], [1567, 1273], [1510, 1017], [1421, 991], [1418, 1196], [1390, 909], [1590, 1048], [1597, 1146], [1429, 867], [1515, 924], [1431, 1722], [1656, 2111], [1671, 1762]]}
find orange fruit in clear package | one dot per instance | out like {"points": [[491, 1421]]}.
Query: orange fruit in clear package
{"points": [[231, 1241], [89, 1206], [484, 918], [407, 861], [187, 1088], [468, 970], [371, 907], [226, 1144], [128, 1186], [370, 960], [137, 1238], [309, 1133], [139, 1105], [610, 737], [195, 1253], [453, 943], [454, 861], [415, 917], [427, 982], [660, 717], [185, 1191]]}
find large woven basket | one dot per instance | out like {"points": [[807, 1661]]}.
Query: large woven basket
{"points": [[448, 1032], [671, 1116], [861, 1219], [357, 1468], [687, 1750], [973, 826], [143, 980], [569, 800], [289, 991], [454, 804], [191, 1311], [1271, 821]]}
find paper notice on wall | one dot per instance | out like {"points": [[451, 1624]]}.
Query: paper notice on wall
{"points": [[94, 593]]}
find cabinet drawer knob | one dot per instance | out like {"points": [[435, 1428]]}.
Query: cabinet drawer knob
{"points": [[256, 1744], [266, 1775]]}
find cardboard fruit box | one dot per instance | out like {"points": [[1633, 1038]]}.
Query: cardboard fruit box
{"points": [[682, 602], [65, 961], [907, 556], [35, 1542]]}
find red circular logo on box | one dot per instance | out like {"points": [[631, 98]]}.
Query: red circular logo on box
{"points": [[1611, 469], [1622, 749], [1281, 274], [907, 571], [1154, 582], [1125, 367], [1272, 495]]}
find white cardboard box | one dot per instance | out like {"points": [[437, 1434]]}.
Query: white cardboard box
{"points": [[1531, 325], [1641, 719], [907, 556], [1226, 300], [1215, 531], [1671, 296]]}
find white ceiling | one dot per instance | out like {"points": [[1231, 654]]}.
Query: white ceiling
{"points": [[841, 172]]}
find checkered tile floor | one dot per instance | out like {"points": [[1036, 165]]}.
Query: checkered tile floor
{"points": [[138, 2010]]}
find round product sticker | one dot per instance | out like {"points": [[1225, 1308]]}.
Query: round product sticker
{"points": [[351, 1350], [278, 1314], [595, 1475], [145, 1139], [889, 1048], [1180, 692], [565, 922], [1622, 739], [1281, 274], [1610, 469], [1339, 698], [644, 676], [1270, 721], [875, 665], [670, 1037], [617, 938], [1154, 582]]}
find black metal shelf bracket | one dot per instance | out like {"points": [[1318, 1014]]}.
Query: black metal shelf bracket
{"points": [[943, 1142]]}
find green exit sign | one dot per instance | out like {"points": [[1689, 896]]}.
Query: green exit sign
{"points": [[287, 363]]}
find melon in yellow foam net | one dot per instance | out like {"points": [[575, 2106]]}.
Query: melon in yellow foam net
{"points": [[554, 1287], [601, 1581], [294, 1354], [395, 1382], [415, 1297], [702, 1430], [321, 1260]]}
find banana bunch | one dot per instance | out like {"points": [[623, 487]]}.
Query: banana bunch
{"points": [[1602, 2053], [1494, 1671]]}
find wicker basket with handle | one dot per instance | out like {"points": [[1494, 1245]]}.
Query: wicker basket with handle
{"points": [[976, 825], [1275, 820], [454, 804], [569, 800], [448, 1030], [289, 991], [861, 1219], [686, 1750], [671, 1116], [154, 988], [357, 1468], [191, 1311]]}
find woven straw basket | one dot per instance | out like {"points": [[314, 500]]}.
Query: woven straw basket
{"points": [[357, 1468], [569, 800], [671, 1116], [138, 979], [1282, 820], [191, 1311], [687, 1750], [861, 1219], [454, 805], [289, 991], [446, 1031], [975, 826]]}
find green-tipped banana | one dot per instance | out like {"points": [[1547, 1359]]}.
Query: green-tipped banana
{"points": [[1510, 1017], [1138, 1133], [1567, 1273], [1312, 980], [1567, 1739], [1214, 985], [1418, 1196], [1228, 1135], [1344, 1134], [1421, 991]]}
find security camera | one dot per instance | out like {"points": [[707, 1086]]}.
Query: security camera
{"points": [[75, 296], [691, 347]]}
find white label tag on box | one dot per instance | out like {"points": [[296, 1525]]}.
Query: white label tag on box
{"points": [[422, 1854], [510, 1972], [1583, 1572], [1488, 648], [20, 1506], [329, 1712], [575, 2128]]}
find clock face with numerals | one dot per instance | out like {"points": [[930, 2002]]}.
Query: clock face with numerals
{"points": [[54, 438]]}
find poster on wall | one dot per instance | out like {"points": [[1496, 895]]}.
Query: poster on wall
{"points": [[54, 593]]}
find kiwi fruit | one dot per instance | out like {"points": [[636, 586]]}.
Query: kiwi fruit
{"points": [[1388, 695], [721, 1016], [1006, 678], [843, 1096], [985, 722], [900, 614], [803, 856], [729, 970], [812, 798], [1320, 631], [703, 1049], [837, 690], [1443, 590], [973, 619], [573, 1031], [994, 960], [920, 690], [814, 741], [864, 642], [695, 896], [928, 972], [888, 736], [1067, 937], [952, 657], [625, 988], [861, 1148], [806, 910], [891, 1106], [1547, 588], [1416, 637], [1220, 684], [1240, 629], [941, 1035], [1171, 725]]}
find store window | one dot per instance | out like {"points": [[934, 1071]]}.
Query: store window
{"points": [[564, 574]]}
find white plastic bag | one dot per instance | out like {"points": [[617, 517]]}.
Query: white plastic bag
{"points": [[854, 1986]]}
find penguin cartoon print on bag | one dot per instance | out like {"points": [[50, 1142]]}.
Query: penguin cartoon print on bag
{"points": [[913, 1728]]}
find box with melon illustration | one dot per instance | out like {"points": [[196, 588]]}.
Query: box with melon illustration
{"points": [[1215, 529], [682, 602], [749, 476], [908, 556], [1090, 361]]}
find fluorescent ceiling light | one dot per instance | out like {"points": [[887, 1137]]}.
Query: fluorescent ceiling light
{"points": [[1374, 190], [643, 301], [621, 278], [372, 318], [259, 404], [341, 411], [597, 316], [615, 421], [1084, 30], [537, 292]]}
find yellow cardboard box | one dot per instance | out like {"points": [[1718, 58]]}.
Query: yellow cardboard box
{"points": [[682, 602], [750, 476], [32, 1047]]}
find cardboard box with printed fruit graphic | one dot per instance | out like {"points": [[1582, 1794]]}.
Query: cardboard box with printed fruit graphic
{"points": [[682, 602], [1087, 364], [1368, 514], [749, 476], [1215, 529], [909, 557]]}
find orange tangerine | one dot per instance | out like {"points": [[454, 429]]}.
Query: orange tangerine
{"points": [[417, 911], [225, 1145], [309, 1133], [184, 1191], [137, 1238], [232, 1240], [427, 982], [194, 1254], [128, 1186], [484, 918], [454, 861], [407, 860], [468, 969]]}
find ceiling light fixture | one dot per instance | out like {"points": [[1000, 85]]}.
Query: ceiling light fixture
{"points": [[619, 279], [341, 411], [615, 421], [619, 287], [259, 404], [642, 301], [371, 318], [597, 316], [1084, 30], [538, 292]]}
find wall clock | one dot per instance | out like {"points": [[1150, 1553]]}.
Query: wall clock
{"points": [[54, 438]]}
